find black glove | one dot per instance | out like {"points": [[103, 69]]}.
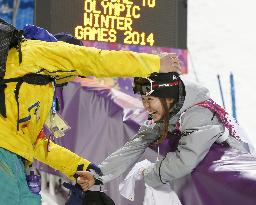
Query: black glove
{"points": [[77, 194], [97, 198]]}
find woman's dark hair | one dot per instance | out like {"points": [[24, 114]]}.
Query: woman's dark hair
{"points": [[138, 81], [165, 127]]}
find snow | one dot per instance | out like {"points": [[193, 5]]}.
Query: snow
{"points": [[222, 39]]}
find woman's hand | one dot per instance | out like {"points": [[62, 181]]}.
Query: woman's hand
{"points": [[169, 62], [85, 180]]}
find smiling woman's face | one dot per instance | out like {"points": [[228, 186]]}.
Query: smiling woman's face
{"points": [[154, 107]]}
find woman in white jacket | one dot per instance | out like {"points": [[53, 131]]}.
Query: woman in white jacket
{"points": [[206, 157]]}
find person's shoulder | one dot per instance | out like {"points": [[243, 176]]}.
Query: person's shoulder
{"points": [[39, 43], [28, 45], [197, 116], [38, 46], [31, 42], [192, 84]]}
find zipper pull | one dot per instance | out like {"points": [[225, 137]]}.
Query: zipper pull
{"points": [[157, 158]]}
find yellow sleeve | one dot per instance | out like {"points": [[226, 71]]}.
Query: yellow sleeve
{"points": [[57, 57], [59, 158]]}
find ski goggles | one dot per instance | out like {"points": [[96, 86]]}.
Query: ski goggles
{"points": [[149, 88]]}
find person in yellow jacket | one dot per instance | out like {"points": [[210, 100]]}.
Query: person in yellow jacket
{"points": [[29, 70]]}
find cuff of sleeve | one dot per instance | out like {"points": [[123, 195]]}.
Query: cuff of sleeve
{"points": [[85, 162], [98, 181], [95, 168], [106, 178]]}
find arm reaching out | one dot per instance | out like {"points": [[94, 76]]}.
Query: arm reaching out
{"points": [[122, 159]]}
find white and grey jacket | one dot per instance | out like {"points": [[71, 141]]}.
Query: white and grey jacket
{"points": [[200, 129]]}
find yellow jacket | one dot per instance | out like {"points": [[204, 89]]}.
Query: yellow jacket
{"points": [[62, 61]]}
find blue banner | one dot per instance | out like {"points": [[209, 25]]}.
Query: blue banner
{"points": [[17, 12]]}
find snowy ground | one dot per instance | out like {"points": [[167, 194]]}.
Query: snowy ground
{"points": [[221, 39]]}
